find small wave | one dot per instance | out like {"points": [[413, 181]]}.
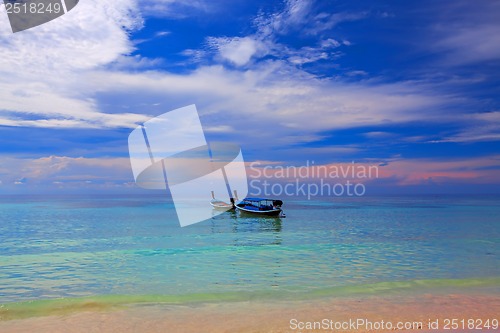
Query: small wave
{"points": [[63, 306]]}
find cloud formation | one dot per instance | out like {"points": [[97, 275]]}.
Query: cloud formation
{"points": [[41, 69], [60, 172], [114, 174], [264, 42], [175, 9], [469, 34], [260, 86]]}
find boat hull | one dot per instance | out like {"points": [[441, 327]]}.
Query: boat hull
{"points": [[220, 205], [273, 212]]}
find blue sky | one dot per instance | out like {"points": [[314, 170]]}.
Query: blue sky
{"points": [[410, 86]]}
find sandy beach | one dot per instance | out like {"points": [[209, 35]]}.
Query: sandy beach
{"points": [[368, 312]]}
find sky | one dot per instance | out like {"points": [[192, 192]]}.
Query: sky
{"points": [[412, 87]]}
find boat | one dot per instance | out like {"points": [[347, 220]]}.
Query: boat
{"points": [[261, 206], [220, 204]]}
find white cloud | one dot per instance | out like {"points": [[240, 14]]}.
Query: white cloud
{"points": [[60, 173], [477, 127], [357, 73], [20, 181], [466, 45], [127, 62], [219, 129], [330, 42], [379, 135], [326, 21], [307, 55], [174, 8], [296, 17], [478, 170], [275, 101], [81, 35], [469, 34], [238, 51], [61, 169], [299, 15], [162, 33], [41, 69]]}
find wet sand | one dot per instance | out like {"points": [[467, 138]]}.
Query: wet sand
{"points": [[276, 317]]}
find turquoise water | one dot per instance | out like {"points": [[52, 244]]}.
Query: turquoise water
{"points": [[76, 246]]}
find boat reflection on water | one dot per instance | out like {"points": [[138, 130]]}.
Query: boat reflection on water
{"points": [[257, 231], [251, 223], [248, 230], [245, 223]]}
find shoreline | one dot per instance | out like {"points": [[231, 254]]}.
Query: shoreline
{"points": [[58, 306], [277, 316]]}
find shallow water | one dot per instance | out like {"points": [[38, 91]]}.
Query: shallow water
{"points": [[71, 247]]}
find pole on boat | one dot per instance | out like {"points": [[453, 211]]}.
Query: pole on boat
{"points": [[228, 187], [234, 199]]}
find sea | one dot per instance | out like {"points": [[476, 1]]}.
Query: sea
{"points": [[131, 248]]}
